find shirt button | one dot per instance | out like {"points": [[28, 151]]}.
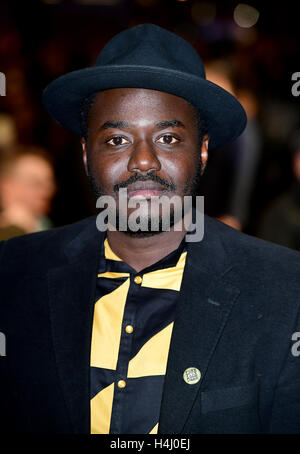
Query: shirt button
{"points": [[138, 279], [129, 329], [121, 383]]}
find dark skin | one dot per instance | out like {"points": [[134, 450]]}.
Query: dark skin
{"points": [[116, 152]]}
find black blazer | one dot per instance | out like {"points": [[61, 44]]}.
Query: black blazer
{"points": [[237, 311]]}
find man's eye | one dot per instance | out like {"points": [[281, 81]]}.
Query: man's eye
{"points": [[117, 140], [167, 139]]}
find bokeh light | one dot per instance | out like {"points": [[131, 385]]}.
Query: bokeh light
{"points": [[245, 15]]}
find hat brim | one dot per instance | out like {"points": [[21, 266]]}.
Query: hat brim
{"points": [[226, 118]]}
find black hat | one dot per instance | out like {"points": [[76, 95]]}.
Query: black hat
{"points": [[148, 56]]}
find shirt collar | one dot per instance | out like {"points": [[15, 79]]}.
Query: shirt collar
{"points": [[111, 262]]}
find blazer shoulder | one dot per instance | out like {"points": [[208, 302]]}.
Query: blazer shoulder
{"points": [[40, 247], [263, 259]]}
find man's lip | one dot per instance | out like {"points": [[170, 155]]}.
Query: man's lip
{"points": [[145, 185], [145, 189], [144, 193]]}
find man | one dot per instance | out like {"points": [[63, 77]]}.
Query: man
{"points": [[140, 331]]}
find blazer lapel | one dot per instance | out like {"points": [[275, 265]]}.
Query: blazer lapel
{"points": [[71, 290], [203, 307]]}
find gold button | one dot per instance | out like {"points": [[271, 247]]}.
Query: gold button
{"points": [[121, 383], [138, 279], [129, 329]]}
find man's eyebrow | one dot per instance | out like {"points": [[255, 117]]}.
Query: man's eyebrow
{"points": [[124, 124], [169, 124], [114, 124]]}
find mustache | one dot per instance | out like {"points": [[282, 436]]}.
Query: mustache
{"points": [[148, 177]]}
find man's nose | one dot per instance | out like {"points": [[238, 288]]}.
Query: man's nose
{"points": [[143, 158]]}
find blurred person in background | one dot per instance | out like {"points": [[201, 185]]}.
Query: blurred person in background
{"points": [[230, 177], [247, 162], [281, 223], [216, 182], [27, 187]]}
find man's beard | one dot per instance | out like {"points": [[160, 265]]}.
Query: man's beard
{"points": [[190, 189]]}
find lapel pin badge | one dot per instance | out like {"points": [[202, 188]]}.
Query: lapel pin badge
{"points": [[191, 375]]}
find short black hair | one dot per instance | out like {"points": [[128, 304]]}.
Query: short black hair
{"points": [[201, 123], [85, 109], [88, 103]]}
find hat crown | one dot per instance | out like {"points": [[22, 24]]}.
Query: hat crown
{"points": [[153, 46], [148, 57]]}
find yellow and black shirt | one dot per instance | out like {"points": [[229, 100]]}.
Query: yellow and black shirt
{"points": [[132, 328]]}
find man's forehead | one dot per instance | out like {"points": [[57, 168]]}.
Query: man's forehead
{"points": [[140, 102], [145, 94], [142, 122]]}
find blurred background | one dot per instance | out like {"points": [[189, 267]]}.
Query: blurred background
{"points": [[251, 49]]}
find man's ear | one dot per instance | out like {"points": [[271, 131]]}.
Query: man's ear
{"points": [[204, 152], [84, 154]]}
